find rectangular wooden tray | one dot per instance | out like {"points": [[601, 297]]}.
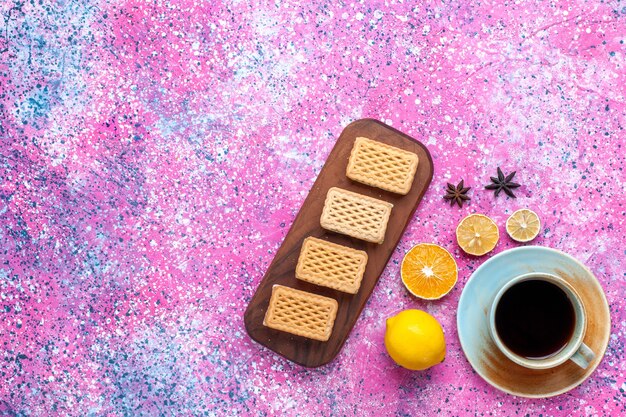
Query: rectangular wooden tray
{"points": [[312, 353]]}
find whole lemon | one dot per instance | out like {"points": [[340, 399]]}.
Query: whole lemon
{"points": [[414, 339]]}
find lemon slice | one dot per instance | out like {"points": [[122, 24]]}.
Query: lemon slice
{"points": [[477, 234], [428, 271], [523, 225]]}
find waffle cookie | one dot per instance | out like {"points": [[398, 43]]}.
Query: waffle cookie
{"points": [[355, 215], [381, 165], [331, 265], [301, 313]]}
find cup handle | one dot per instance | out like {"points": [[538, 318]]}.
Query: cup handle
{"points": [[583, 356]]}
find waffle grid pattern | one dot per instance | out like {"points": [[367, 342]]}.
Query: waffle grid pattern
{"points": [[356, 215], [331, 265], [301, 313], [381, 165]]}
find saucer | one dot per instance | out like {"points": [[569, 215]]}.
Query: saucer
{"points": [[473, 321]]}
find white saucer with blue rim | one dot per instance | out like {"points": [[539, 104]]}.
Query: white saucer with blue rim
{"points": [[473, 321]]}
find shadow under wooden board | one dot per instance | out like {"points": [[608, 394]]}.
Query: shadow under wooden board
{"points": [[313, 353]]}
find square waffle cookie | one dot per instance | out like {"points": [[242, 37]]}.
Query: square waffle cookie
{"points": [[301, 313], [355, 215], [380, 165], [331, 265]]}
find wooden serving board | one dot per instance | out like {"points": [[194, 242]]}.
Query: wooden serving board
{"points": [[309, 352]]}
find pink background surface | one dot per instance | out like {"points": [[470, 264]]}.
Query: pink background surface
{"points": [[154, 155]]}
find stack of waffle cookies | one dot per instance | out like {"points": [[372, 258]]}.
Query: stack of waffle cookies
{"points": [[335, 266]]}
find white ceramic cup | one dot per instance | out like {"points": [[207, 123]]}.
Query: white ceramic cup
{"points": [[574, 350]]}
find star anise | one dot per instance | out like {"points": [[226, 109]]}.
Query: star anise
{"points": [[457, 194], [503, 183]]}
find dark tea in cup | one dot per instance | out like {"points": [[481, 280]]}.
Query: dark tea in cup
{"points": [[538, 321], [535, 319]]}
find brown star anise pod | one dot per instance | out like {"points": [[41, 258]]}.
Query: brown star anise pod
{"points": [[503, 183], [457, 194]]}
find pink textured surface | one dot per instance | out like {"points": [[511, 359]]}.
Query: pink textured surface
{"points": [[154, 154]]}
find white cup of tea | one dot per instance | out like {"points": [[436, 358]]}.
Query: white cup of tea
{"points": [[538, 321]]}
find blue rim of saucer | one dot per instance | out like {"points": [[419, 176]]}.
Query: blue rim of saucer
{"points": [[488, 279]]}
